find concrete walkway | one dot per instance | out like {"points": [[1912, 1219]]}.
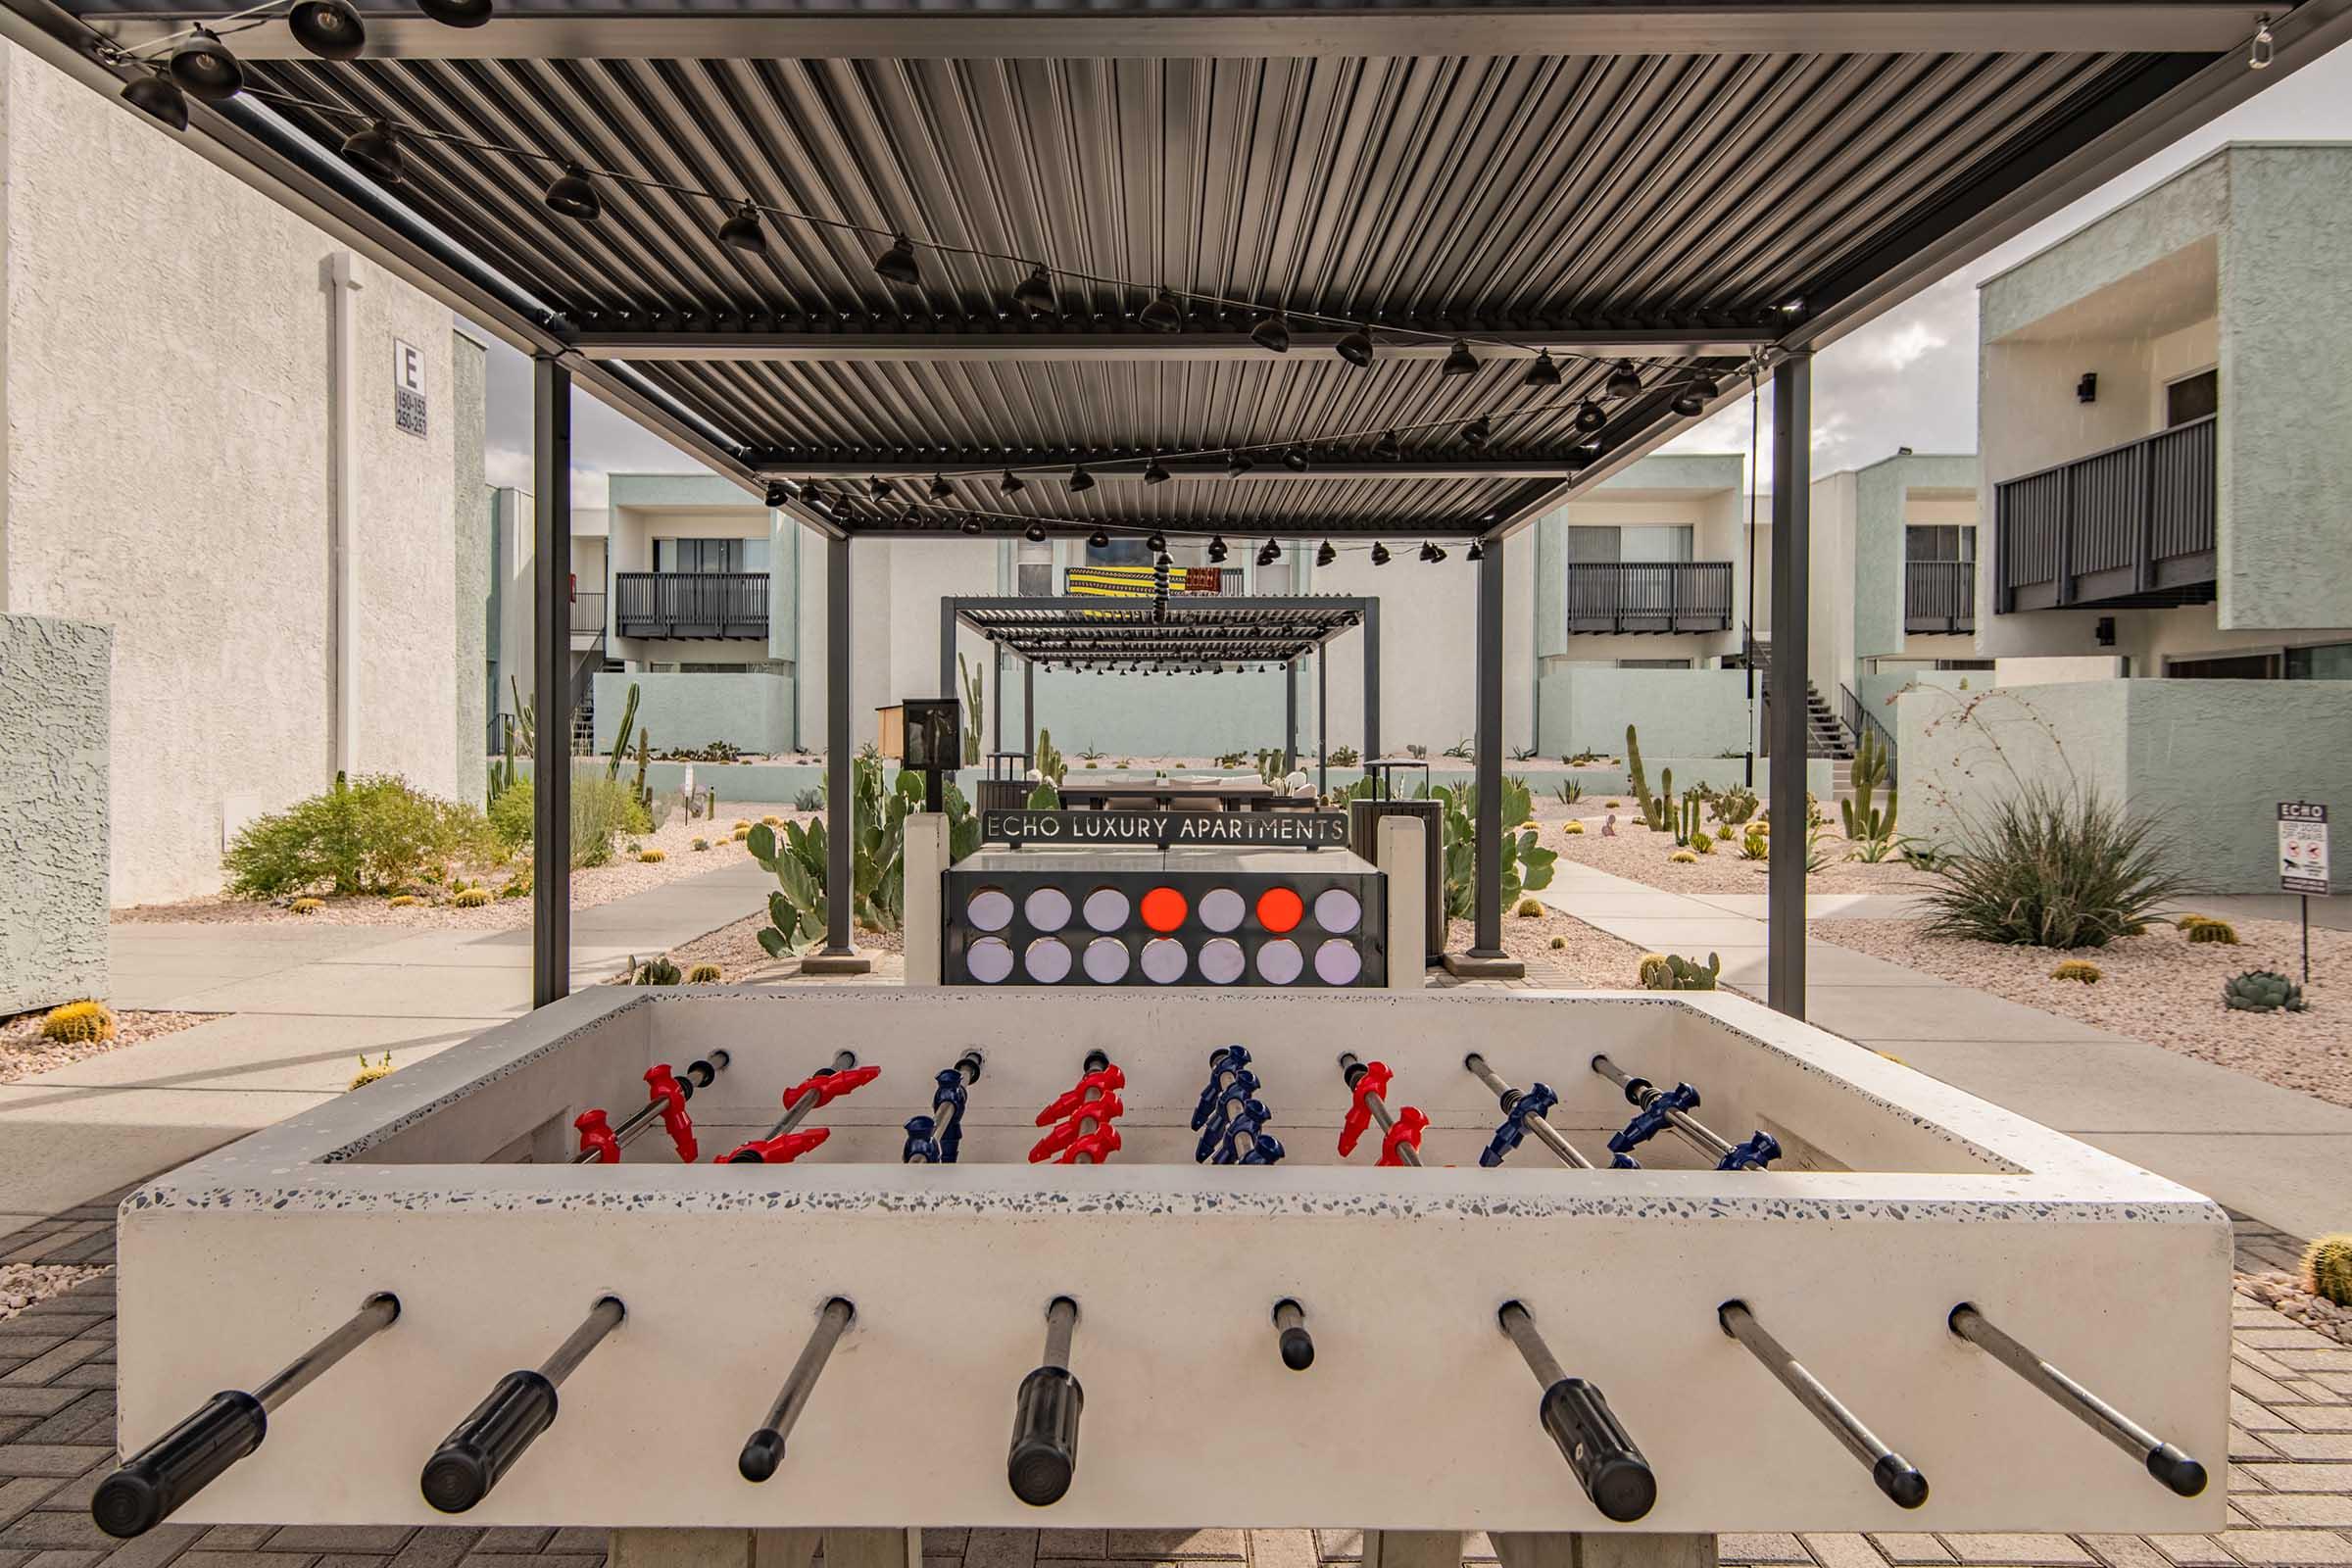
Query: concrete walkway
{"points": [[306, 1002], [2260, 1149]]}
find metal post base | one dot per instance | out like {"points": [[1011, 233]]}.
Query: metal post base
{"points": [[1569, 1549], [827, 962], [1477, 965], [1412, 1548]]}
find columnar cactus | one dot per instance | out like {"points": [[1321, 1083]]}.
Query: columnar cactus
{"points": [[1864, 823], [2327, 1269]]}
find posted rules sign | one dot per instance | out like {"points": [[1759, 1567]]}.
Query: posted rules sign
{"points": [[2303, 846]]}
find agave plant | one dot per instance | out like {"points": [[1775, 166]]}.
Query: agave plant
{"points": [[2053, 868]]}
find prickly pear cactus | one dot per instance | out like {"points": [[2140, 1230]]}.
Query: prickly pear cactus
{"points": [[2262, 991], [2327, 1269], [1674, 972], [1654, 973]]}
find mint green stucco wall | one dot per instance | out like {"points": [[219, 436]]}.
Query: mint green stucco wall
{"points": [[1678, 712], [753, 710], [2209, 760]]}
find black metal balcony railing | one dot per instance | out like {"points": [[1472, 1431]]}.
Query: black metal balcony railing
{"points": [[691, 603], [1683, 596], [1939, 596], [2130, 526], [587, 614]]}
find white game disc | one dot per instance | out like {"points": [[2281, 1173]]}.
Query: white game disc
{"points": [[1047, 909], [1047, 961], [989, 961], [990, 910], [1106, 961], [1337, 909], [1337, 964], [1165, 960], [1279, 961], [1106, 908], [1222, 909], [1221, 961]]}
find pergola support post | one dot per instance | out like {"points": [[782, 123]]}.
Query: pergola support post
{"points": [[1323, 719], [1371, 681], [996, 697], [948, 684], [1029, 708], [840, 954], [551, 682], [1289, 715], [1791, 717], [1486, 960]]}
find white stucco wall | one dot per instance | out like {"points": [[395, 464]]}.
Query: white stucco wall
{"points": [[168, 403], [53, 812]]}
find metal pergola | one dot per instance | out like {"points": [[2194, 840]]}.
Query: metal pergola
{"points": [[1711, 189], [1171, 635]]}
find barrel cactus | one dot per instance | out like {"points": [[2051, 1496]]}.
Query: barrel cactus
{"points": [[2327, 1269], [2215, 931], [772, 821], [403, 901], [1652, 973], [1572, 827], [77, 1022], [307, 906], [2262, 991], [1683, 857], [1558, 943], [651, 856], [2079, 970], [703, 974], [371, 1071], [470, 898]]}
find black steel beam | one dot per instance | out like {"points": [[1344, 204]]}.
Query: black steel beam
{"points": [[841, 837], [943, 523], [1553, 463], [1789, 682], [979, 343], [1229, 30], [1487, 941], [551, 682]]}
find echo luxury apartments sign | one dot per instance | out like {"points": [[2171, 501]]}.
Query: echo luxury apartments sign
{"points": [[1290, 830]]}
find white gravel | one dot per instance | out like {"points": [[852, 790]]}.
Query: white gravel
{"points": [[617, 878], [24, 1053], [2284, 1293], [2161, 989], [22, 1284], [1637, 852]]}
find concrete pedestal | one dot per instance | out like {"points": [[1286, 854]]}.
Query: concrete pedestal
{"points": [[763, 1548], [1569, 1549]]}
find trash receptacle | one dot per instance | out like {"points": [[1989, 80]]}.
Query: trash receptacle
{"points": [[1363, 826]]}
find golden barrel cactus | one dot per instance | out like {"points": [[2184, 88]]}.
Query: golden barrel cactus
{"points": [[77, 1022]]}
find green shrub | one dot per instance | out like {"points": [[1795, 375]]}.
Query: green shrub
{"points": [[2051, 868], [600, 808], [363, 834], [1343, 757]]}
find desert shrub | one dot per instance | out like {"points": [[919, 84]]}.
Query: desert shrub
{"points": [[807, 801], [2051, 868], [365, 833], [601, 808], [79, 1020], [1703, 843]]}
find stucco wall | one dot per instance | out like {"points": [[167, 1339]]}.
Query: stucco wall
{"points": [[2175, 750], [53, 812], [169, 401], [752, 709], [470, 517], [1678, 712]]}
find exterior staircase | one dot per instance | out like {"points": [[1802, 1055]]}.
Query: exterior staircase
{"points": [[1825, 734]]}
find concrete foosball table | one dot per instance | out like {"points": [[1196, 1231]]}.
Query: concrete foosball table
{"points": [[879, 1312]]}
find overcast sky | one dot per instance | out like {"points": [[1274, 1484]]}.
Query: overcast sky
{"points": [[1906, 379]]}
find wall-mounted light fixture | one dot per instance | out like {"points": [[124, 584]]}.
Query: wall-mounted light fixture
{"points": [[2106, 631], [2087, 390]]}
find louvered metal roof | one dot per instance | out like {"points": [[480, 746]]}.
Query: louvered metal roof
{"points": [[1700, 185], [1169, 633]]}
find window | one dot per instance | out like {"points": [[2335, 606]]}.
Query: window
{"points": [[2225, 667], [1589, 545], [1122, 552], [2326, 661], [2192, 397], [1654, 663], [710, 554], [1939, 542]]}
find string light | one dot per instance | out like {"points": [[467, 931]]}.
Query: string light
{"points": [[205, 69], [742, 231], [328, 28], [570, 194], [1478, 432], [1326, 555], [1164, 314], [1272, 334], [1080, 480], [1543, 374], [1237, 465], [1624, 382], [1035, 293], [1011, 484], [1154, 473], [1380, 554], [1476, 551], [1459, 360], [375, 147], [898, 264], [1295, 459], [941, 490]]}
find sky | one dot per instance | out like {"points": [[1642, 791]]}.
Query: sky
{"points": [[1906, 379]]}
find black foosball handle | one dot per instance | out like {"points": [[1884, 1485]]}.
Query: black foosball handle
{"points": [[152, 1483], [1597, 1448], [488, 1442], [1045, 1435]]}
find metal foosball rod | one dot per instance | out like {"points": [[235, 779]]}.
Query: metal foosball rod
{"points": [[936, 1138], [820, 1088], [1525, 1113], [2165, 1462], [1401, 1131], [1672, 1107], [594, 1147], [764, 1450], [1595, 1443], [152, 1483], [1045, 1420], [1290, 1338], [518, 1407], [1894, 1475]]}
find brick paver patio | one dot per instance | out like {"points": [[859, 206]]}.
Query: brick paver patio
{"points": [[2290, 1473]]}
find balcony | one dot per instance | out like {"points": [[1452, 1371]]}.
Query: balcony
{"points": [[1682, 596], [1939, 596], [587, 614], [691, 603], [2130, 527]]}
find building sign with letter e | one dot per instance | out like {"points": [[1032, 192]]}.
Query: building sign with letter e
{"points": [[2303, 846], [408, 387]]}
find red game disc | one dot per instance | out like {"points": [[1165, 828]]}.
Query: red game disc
{"points": [[1279, 910], [1163, 908]]}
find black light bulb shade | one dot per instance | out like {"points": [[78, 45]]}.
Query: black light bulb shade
{"points": [[328, 28], [879, 487], [742, 231], [1273, 550], [1624, 382], [1478, 432], [941, 490], [1157, 544], [1590, 418], [1388, 448], [897, 263], [1688, 404], [778, 494], [1476, 551], [971, 525], [1035, 533], [1380, 555], [1081, 481], [457, 13], [205, 69], [161, 97], [1010, 484], [1428, 550], [1272, 332], [1543, 372], [1237, 465], [1436, 551], [1459, 360], [1355, 348], [1100, 539], [1295, 459], [1154, 474], [375, 147], [1164, 314], [1326, 555], [572, 194], [1216, 548], [1163, 560], [1035, 293]]}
